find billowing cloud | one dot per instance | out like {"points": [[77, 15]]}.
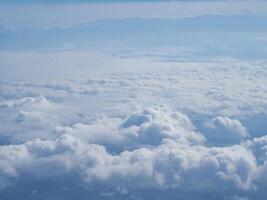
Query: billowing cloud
{"points": [[177, 132], [154, 148], [226, 130]]}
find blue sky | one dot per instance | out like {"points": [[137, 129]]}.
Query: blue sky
{"points": [[198, 25], [88, 1]]}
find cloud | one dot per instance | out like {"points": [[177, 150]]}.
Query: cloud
{"points": [[173, 165], [139, 136], [176, 160], [103, 132], [225, 130], [259, 148], [153, 125], [146, 127], [169, 165]]}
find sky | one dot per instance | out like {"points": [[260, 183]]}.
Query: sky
{"points": [[133, 100]]}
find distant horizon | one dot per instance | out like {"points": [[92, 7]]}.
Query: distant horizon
{"points": [[108, 1]]}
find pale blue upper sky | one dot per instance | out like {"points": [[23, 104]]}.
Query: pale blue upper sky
{"points": [[89, 1], [236, 28]]}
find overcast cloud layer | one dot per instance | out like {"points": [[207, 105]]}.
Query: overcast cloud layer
{"points": [[172, 105]]}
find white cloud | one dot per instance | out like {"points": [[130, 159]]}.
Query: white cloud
{"points": [[259, 148], [153, 125], [178, 160], [225, 129], [140, 132], [169, 165]]}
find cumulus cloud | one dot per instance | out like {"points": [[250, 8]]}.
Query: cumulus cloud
{"points": [[259, 147], [173, 165], [153, 125], [114, 143], [166, 153], [103, 132], [226, 130], [146, 127], [169, 165]]}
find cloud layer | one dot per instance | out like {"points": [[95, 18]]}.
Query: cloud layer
{"points": [[56, 141], [152, 149]]}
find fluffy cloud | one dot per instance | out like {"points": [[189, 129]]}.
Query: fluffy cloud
{"points": [[146, 127], [139, 136], [173, 165], [151, 126], [226, 130], [176, 160]]}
